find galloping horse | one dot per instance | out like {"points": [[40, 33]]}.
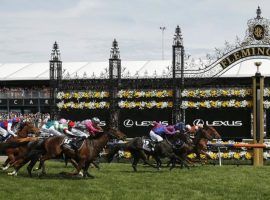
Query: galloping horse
{"points": [[161, 150], [23, 131], [53, 147], [202, 136]]}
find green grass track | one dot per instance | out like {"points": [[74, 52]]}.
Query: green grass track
{"points": [[118, 181]]}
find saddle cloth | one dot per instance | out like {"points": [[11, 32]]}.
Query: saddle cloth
{"points": [[73, 142], [146, 144]]}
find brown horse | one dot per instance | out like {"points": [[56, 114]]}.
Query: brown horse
{"points": [[202, 136], [53, 147], [25, 129]]}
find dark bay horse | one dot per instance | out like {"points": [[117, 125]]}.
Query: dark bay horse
{"points": [[162, 149], [53, 147]]}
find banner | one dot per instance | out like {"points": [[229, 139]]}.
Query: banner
{"points": [[15, 102], [136, 122], [30, 102], [44, 102], [230, 123]]}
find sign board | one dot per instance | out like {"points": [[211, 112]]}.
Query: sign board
{"points": [[136, 122], [230, 123]]}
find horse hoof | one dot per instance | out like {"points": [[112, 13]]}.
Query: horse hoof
{"points": [[81, 174], [36, 169], [12, 174]]}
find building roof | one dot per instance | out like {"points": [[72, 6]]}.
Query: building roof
{"points": [[130, 69]]}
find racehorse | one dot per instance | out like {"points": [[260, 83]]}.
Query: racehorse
{"points": [[202, 136], [53, 147], [137, 150], [23, 131]]}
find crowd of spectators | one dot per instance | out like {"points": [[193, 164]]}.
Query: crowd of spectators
{"points": [[31, 117], [23, 92]]}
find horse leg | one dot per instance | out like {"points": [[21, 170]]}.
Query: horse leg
{"points": [[85, 170], [136, 159], [173, 161], [6, 165], [96, 165], [145, 160], [42, 163]]}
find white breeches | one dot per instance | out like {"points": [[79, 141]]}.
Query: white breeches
{"points": [[3, 132], [155, 137]]}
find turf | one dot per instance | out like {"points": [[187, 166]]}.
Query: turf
{"points": [[117, 181]]}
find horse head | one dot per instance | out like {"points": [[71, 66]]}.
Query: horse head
{"points": [[210, 133], [115, 133], [27, 128]]}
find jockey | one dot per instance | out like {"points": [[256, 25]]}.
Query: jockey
{"points": [[92, 126], [160, 130], [72, 132], [49, 128], [6, 128]]}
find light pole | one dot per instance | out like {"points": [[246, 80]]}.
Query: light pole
{"points": [[162, 28]]}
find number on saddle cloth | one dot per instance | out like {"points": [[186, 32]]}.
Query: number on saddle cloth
{"points": [[147, 144]]}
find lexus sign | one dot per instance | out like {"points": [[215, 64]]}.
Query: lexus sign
{"points": [[138, 122], [231, 123], [217, 123]]}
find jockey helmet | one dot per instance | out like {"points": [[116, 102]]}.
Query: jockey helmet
{"points": [[188, 127], [95, 120], [62, 121], [71, 124]]}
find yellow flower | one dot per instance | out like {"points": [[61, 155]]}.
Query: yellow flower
{"points": [[192, 155], [127, 154], [170, 104], [202, 156], [159, 94], [248, 156], [225, 155], [148, 94], [236, 156], [170, 93], [137, 94]]}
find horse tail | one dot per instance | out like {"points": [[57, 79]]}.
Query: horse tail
{"points": [[114, 150]]}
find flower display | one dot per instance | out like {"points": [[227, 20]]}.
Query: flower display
{"points": [[216, 104], [205, 93], [80, 95], [83, 105], [144, 104], [144, 94]]}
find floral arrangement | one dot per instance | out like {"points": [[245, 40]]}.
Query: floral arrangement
{"points": [[204, 93], [83, 105], [80, 95], [144, 104], [144, 94], [216, 104]]}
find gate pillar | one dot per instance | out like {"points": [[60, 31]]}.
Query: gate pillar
{"points": [[258, 116]]}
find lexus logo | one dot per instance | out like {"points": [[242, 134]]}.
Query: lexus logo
{"points": [[128, 123], [197, 122]]}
